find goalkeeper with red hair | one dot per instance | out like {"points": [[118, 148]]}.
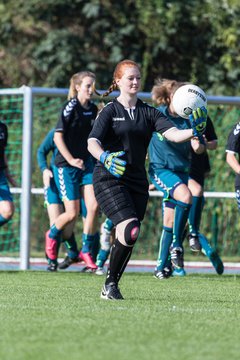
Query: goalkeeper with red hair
{"points": [[119, 141]]}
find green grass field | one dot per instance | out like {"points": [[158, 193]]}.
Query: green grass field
{"points": [[61, 316]]}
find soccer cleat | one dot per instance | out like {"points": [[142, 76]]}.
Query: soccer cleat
{"points": [[88, 270], [177, 257], [194, 243], [179, 272], [211, 254], [52, 266], [67, 262], [160, 275], [111, 292], [168, 271], [217, 262], [100, 271], [50, 247], [87, 258]]}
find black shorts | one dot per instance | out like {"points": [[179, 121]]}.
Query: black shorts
{"points": [[237, 182], [198, 176], [116, 198]]}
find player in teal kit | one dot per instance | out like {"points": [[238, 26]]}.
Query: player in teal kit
{"points": [[53, 200], [74, 166], [169, 165], [105, 243]]}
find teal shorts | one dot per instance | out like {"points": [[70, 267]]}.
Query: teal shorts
{"points": [[5, 194], [69, 179], [51, 194], [167, 181]]}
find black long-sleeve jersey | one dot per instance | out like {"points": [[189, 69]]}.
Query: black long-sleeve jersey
{"points": [[233, 146], [3, 144], [129, 130], [200, 164], [75, 122]]}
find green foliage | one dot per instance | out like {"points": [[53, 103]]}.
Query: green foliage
{"points": [[44, 43]]}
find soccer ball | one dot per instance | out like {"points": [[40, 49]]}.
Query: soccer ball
{"points": [[187, 98]]}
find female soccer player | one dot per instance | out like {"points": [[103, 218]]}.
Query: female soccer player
{"points": [[169, 165], [54, 203], [107, 231], [199, 169], [6, 200], [119, 141], [74, 165], [233, 155]]}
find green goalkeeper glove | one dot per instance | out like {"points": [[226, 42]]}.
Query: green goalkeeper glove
{"points": [[113, 164], [198, 120]]}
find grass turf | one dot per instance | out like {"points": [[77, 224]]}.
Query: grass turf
{"points": [[61, 316]]}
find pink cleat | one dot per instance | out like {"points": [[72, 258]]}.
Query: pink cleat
{"points": [[87, 258], [50, 247]]}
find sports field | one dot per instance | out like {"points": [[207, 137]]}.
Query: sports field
{"points": [[61, 316]]}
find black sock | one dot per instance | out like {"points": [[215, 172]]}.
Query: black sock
{"points": [[71, 246], [119, 258]]}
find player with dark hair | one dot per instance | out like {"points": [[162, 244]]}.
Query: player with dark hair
{"points": [[6, 200], [119, 141], [199, 169], [169, 165], [74, 166]]}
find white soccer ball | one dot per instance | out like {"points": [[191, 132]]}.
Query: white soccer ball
{"points": [[187, 98]]}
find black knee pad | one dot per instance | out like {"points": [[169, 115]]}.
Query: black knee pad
{"points": [[131, 232]]}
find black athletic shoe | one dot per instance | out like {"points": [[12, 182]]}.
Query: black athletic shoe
{"points": [[88, 270], [217, 262], [177, 257], [111, 292], [168, 271], [52, 266], [194, 243], [160, 275], [67, 262]]}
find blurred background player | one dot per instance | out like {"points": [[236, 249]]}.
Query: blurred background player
{"points": [[107, 232], [74, 166], [55, 207], [233, 155], [169, 166], [199, 169], [6, 200], [53, 202]]}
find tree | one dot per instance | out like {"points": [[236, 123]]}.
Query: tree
{"points": [[44, 43]]}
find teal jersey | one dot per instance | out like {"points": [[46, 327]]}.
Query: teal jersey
{"points": [[164, 154], [47, 146]]}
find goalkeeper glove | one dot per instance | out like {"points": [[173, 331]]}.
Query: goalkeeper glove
{"points": [[198, 120], [113, 164]]}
